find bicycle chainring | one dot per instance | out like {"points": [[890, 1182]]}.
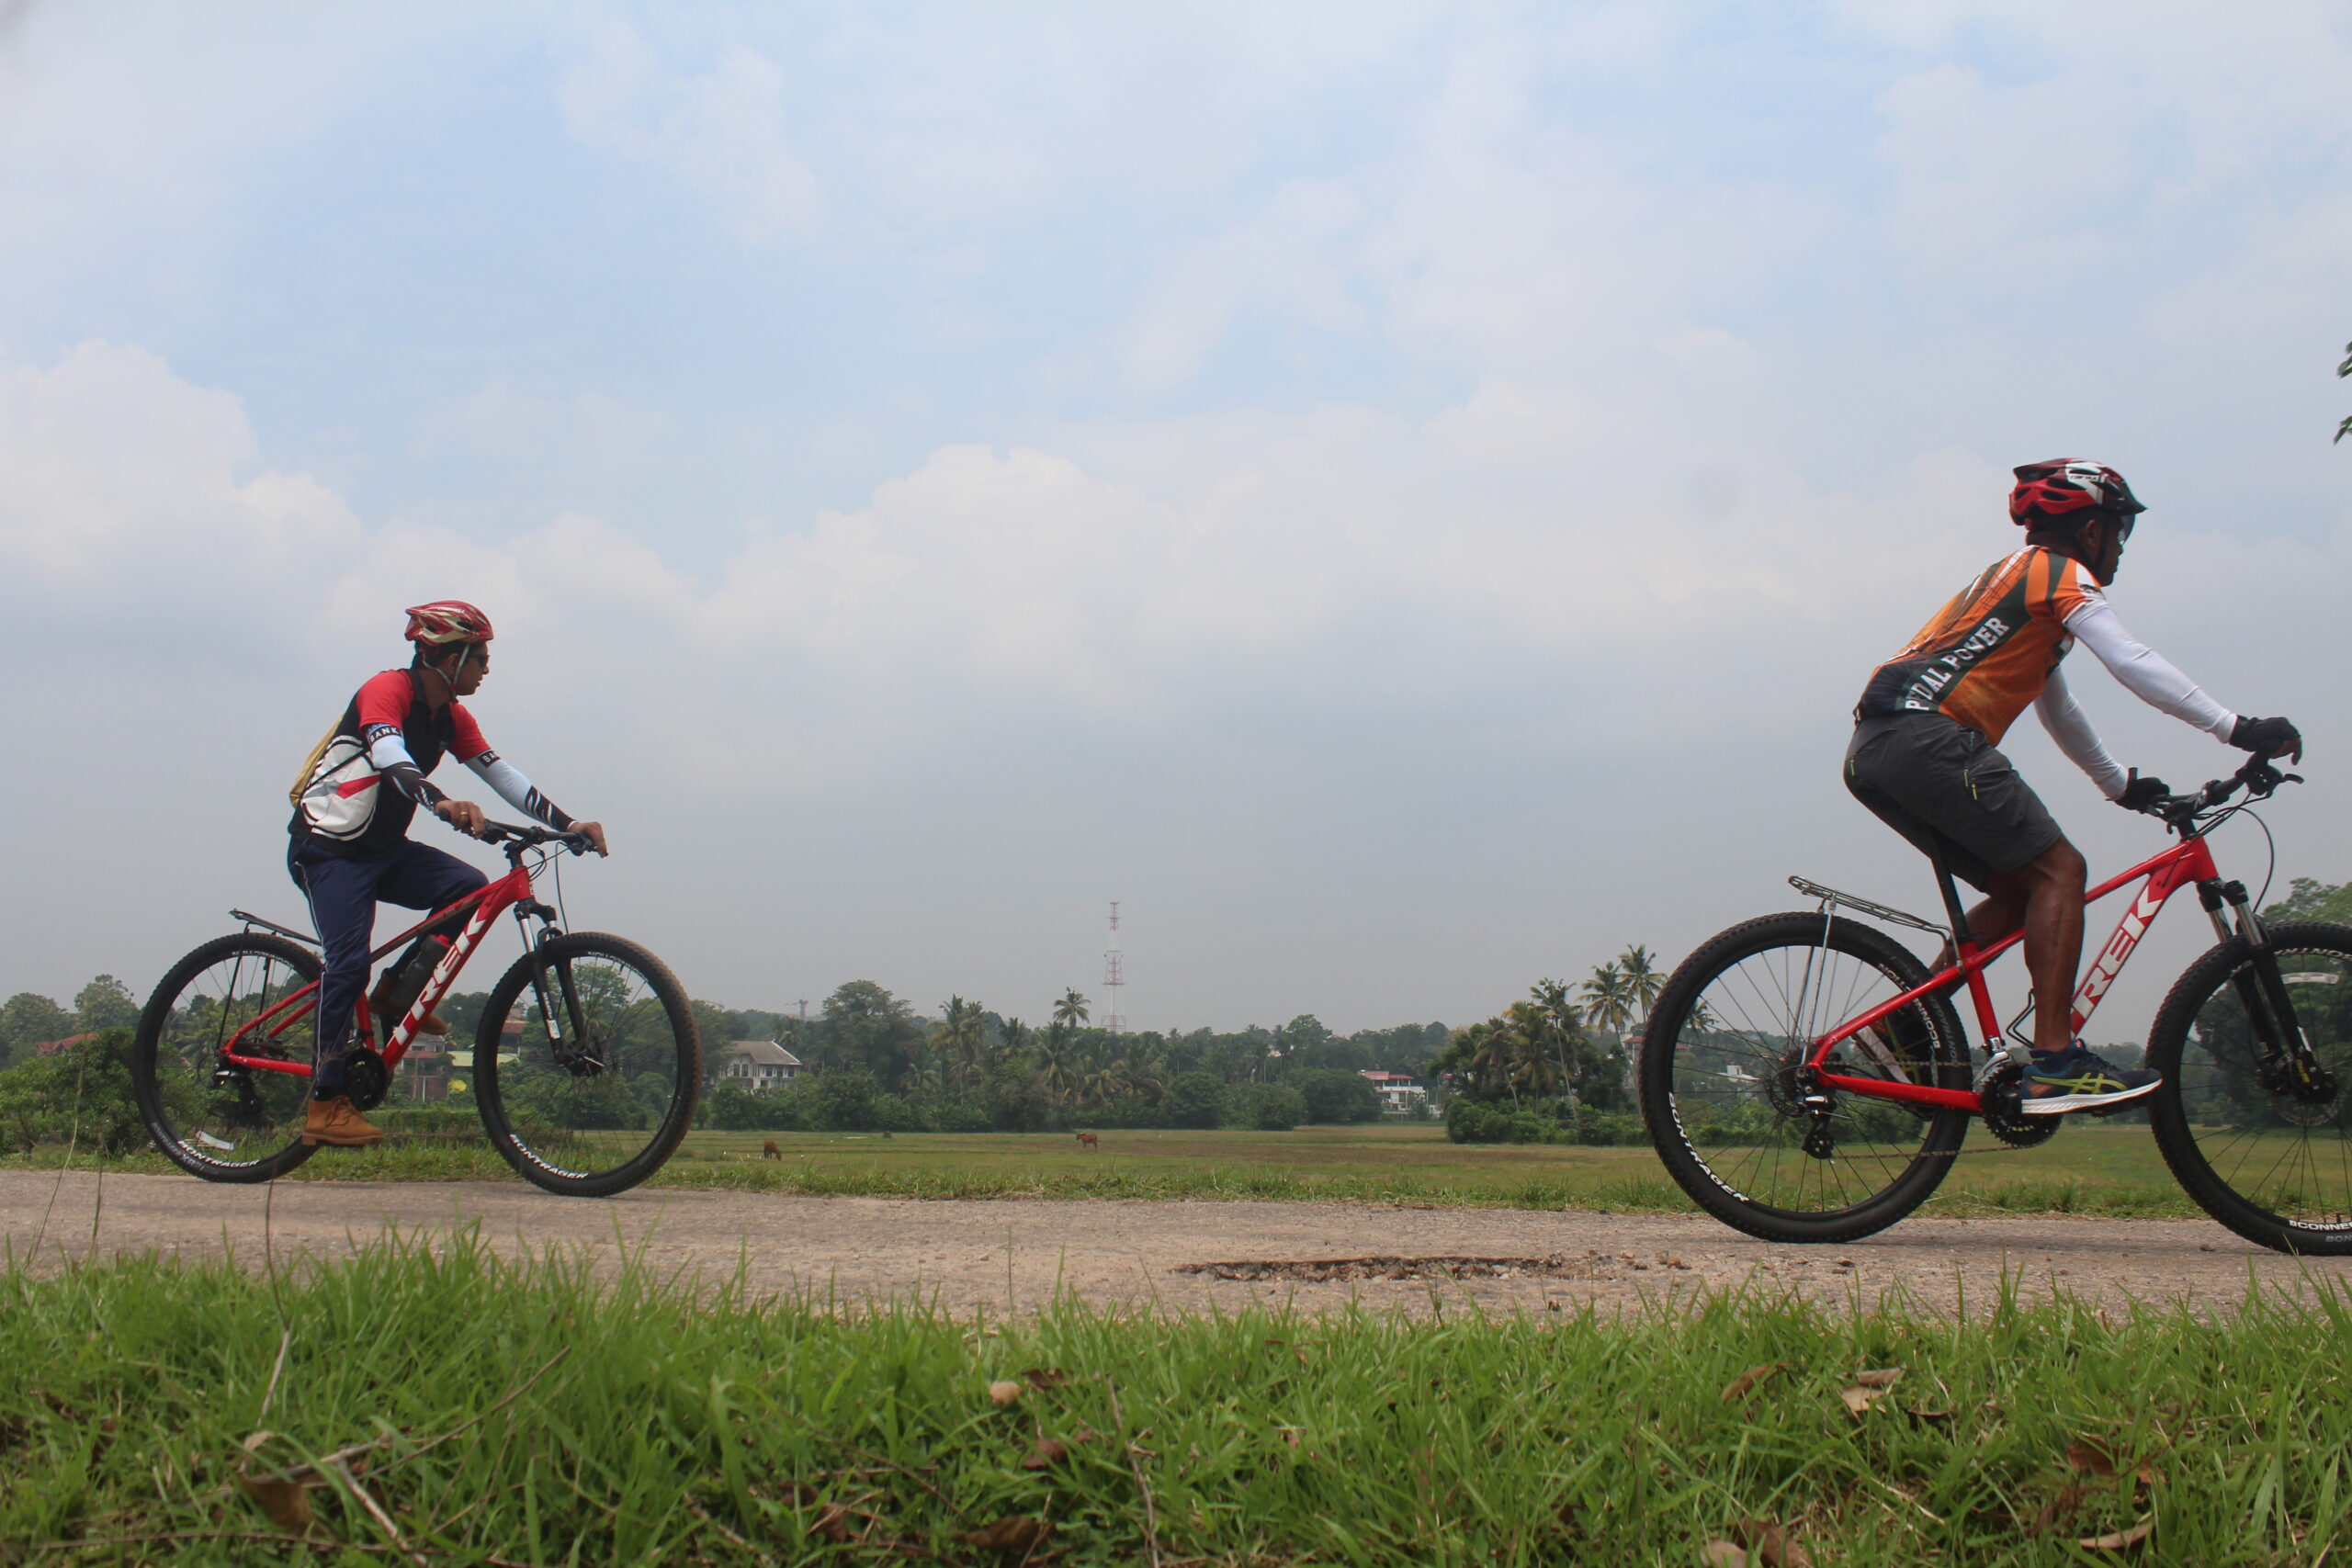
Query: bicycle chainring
{"points": [[370, 1079], [2004, 1114]]}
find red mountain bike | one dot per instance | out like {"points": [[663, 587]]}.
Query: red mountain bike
{"points": [[1805, 1078], [586, 1063]]}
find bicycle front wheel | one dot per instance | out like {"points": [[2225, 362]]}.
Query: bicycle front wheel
{"points": [[1721, 1086], [209, 1116], [2271, 1160], [587, 1064]]}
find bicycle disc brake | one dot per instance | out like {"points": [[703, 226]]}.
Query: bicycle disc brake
{"points": [[2004, 1109]]}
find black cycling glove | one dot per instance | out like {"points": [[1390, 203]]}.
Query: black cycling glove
{"points": [[2268, 737], [2140, 793]]}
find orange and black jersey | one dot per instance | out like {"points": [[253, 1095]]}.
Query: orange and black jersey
{"points": [[1986, 655]]}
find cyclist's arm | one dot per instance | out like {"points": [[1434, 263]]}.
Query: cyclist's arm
{"points": [[2145, 673], [499, 774], [2070, 727], [517, 791], [387, 749]]}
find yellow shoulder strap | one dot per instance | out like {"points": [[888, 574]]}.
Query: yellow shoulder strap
{"points": [[303, 779]]}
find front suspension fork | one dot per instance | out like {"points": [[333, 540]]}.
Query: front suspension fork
{"points": [[560, 1012], [2286, 1062]]}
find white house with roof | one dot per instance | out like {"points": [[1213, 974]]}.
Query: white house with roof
{"points": [[1399, 1091], [757, 1065]]}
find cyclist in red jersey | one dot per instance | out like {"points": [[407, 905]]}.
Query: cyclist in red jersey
{"points": [[350, 848], [1923, 756]]}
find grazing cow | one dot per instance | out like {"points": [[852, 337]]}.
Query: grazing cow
{"points": [[1087, 1140], [769, 1151]]}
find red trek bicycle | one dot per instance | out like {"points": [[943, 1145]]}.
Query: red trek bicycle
{"points": [[586, 1063], [1805, 1078]]}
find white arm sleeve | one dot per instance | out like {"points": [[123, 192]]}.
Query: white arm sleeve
{"points": [[516, 790], [2070, 728], [2146, 674]]}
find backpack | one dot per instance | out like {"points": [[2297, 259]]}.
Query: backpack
{"points": [[334, 795]]}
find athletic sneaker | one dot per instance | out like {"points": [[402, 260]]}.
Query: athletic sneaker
{"points": [[2073, 1079]]}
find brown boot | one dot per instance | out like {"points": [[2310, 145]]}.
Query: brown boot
{"points": [[337, 1124]]}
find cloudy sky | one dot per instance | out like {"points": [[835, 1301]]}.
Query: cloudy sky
{"points": [[1403, 498]]}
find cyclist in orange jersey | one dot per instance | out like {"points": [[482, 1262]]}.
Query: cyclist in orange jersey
{"points": [[1923, 759]]}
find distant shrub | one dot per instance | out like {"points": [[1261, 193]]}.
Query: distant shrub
{"points": [[1264, 1107]]}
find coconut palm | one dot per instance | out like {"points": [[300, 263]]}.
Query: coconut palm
{"points": [[1016, 1037], [1607, 1000], [1644, 981], [1057, 1060], [963, 1039], [1071, 1011]]}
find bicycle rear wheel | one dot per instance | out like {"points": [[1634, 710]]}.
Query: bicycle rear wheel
{"points": [[587, 1064], [1720, 1090], [2273, 1164], [212, 1118]]}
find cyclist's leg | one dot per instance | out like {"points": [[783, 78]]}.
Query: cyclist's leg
{"points": [[1948, 791], [342, 896], [421, 877]]}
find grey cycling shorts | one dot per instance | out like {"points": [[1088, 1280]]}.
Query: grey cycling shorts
{"points": [[1945, 788]]}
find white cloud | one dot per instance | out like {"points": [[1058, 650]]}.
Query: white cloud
{"points": [[722, 130]]}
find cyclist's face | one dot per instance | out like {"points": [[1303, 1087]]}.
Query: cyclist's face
{"points": [[472, 669], [2108, 535]]}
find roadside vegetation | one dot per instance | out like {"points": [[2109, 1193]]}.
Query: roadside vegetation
{"points": [[440, 1406]]}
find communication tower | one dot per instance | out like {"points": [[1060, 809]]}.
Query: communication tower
{"points": [[1114, 975]]}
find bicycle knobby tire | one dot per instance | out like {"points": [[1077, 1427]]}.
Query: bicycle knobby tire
{"points": [[1718, 1089], [172, 1078], [2275, 1170], [639, 1022]]}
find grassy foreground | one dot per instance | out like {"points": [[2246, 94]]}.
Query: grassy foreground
{"points": [[487, 1412], [2089, 1169]]}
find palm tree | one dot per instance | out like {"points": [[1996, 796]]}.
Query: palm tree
{"points": [[1016, 1037], [1608, 1000], [1070, 1011], [964, 1038], [1638, 965], [1058, 1064]]}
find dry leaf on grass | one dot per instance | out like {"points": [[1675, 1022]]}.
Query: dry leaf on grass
{"points": [[1724, 1554], [1745, 1383], [2121, 1541], [2149, 1474], [1775, 1545], [2089, 1455], [1004, 1392], [831, 1522], [286, 1502], [1014, 1532], [1045, 1377], [1868, 1389], [1048, 1453]]}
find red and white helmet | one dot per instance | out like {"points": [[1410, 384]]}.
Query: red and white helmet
{"points": [[446, 621], [2069, 489]]}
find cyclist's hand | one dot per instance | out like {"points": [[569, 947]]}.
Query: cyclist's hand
{"points": [[2268, 737], [593, 832], [463, 814], [2140, 793]]}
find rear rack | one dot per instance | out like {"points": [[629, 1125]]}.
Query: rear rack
{"points": [[1831, 898], [308, 940]]}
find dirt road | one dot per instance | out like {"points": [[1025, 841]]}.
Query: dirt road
{"points": [[1017, 1254]]}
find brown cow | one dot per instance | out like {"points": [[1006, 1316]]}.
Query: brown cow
{"points": [[769, 1151], [1087, 1140]]}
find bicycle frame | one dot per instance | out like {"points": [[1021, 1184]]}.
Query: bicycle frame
{"points": [[2185, 864], [511, 891]]}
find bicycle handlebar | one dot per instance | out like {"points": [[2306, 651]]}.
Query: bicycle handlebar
{"points": [[523, 838], [2257, 778]]}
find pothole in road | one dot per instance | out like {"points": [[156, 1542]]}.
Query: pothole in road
{"points": [[1551, 1265]]}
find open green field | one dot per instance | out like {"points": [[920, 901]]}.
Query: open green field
{"points": [[406, 1406], [2087, 1168]]}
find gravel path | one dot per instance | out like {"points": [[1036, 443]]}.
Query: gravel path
{"points": [[968, 1255]]}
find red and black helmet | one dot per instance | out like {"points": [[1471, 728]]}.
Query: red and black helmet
{"points": [[446, 621], [2067, 490]]}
